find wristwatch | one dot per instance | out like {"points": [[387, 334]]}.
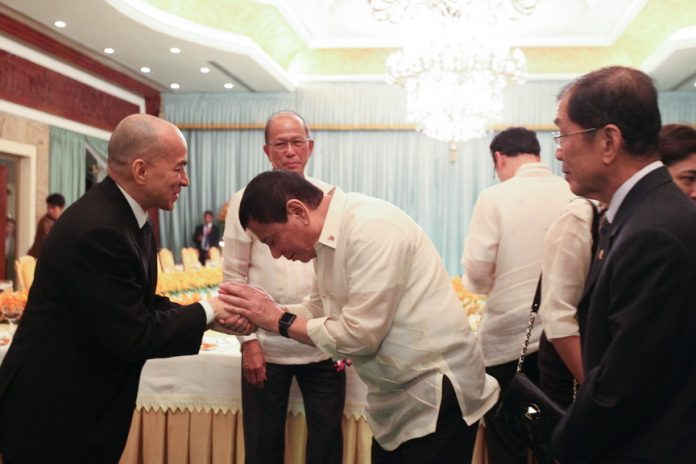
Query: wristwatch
{"points": [[284, 323]]}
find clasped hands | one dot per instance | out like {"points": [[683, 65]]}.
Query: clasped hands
{"points": [[244, 308]]}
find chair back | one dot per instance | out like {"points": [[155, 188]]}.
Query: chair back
{"points": [[24, 268], [215, 259], [166, 260], [189, 258]]}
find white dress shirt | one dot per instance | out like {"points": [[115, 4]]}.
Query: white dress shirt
{"points": [[248, 260], [384, 299], [206, 231], [566, 261], [502, 255], [618, 197]]}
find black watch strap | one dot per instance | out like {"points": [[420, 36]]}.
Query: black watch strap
{"points": [[285, 322]]}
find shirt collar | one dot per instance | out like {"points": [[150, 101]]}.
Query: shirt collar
{"points": [[138, 211], [332, 222], [532, 169], [626, 187]]}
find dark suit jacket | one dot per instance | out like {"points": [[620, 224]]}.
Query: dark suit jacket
{"points": [[69, 381], [213, 236], [42, 230], [638, 403]]}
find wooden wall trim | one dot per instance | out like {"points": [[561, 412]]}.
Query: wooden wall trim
{"points": [[29, 84], [50, 46]]}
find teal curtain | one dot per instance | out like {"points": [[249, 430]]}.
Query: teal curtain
{"points": [[98, 148], [401, 166], [67, 164]]}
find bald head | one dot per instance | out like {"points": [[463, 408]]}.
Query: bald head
{"points": [[147, 158], [139, 136], [283, 115]]}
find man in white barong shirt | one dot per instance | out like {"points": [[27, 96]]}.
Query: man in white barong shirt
{"points": [[269, 361], [383, 298], [502, 258]]}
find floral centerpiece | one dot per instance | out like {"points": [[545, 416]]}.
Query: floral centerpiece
{"points": [[186, 287], [13, 302], [471, 302]]}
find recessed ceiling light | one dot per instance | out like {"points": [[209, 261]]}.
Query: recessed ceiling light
{"points": [[694, 84], [175, 50], [174, 85], [60, 24], [228, 85], [109, 51], [205, 70], [145, 69]]}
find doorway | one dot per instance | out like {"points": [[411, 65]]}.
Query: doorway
{"points": [[8, 215]]}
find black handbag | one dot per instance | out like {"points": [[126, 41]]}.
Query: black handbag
{"points": [[525, 410]]}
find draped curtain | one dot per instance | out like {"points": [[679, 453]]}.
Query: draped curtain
{"points": [[67, 165], [67, 162], [359, 146], [363, 143]]}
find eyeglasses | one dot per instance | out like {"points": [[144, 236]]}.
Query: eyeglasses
{"points": [[558, 136], [280, 145]]}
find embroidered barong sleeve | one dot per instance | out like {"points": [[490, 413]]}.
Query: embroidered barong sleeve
{"points": [[377, 264]]}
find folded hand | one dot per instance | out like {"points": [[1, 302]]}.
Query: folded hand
{"points": [[227, 321], [244, 327], [252, 303]]}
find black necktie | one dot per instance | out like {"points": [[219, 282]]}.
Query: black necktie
{"points": [[602, 250], [146, 241], [603, 245], [597, 263]]}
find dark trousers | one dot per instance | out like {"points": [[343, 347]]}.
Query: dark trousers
{"points": [[452, 442], [555, 379], [265, 409], [202, 256], [502, 447]]}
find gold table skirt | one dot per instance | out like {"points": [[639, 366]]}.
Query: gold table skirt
{"points": [[184, 437]]}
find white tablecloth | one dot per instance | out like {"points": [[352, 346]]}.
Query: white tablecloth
{"points": [[211, 381]]}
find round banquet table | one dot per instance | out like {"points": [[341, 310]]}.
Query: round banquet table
{"points": [[189, 411]]}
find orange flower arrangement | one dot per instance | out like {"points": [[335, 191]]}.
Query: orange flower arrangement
{"points": [[13, 300], [222, 213], [471, 302]]}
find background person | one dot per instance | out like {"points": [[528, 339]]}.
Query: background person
{"points": [[677, 148], [206, 236], [269, 361], [568, 250], [502, 258], [55, 203]]}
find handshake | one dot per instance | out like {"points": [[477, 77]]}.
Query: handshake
{"points": [[240, 308]]}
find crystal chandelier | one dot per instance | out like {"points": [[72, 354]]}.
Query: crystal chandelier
{"points": [[455, 62]]}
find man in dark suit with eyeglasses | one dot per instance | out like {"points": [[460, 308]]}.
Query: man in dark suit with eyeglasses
{"points": [[637, 314]]}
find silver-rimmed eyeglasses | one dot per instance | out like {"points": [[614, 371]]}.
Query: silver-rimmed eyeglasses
{"points": [[558, 136], [280, 145]]}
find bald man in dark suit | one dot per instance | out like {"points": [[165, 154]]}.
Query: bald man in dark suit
{"points": [[69, 381]]}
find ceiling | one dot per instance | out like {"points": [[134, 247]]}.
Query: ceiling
{"points": [[277, 45]]}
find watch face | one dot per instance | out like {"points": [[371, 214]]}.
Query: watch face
{"points": [[284, 323]]}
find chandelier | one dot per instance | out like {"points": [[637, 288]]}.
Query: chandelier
{"points": [[455, 62]]}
